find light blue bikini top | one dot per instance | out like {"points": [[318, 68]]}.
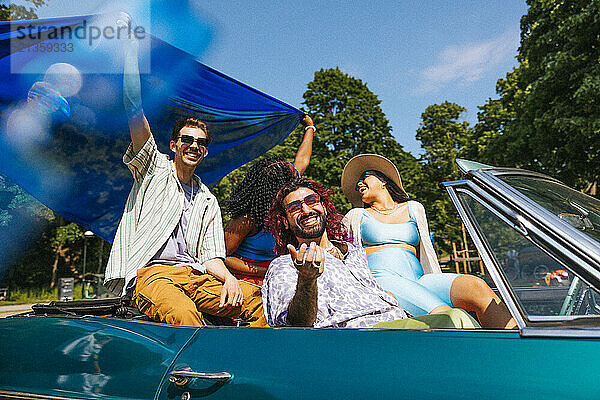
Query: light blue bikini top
{"points": [[374, 232]]}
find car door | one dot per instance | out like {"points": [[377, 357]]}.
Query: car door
{"points": [[86, 357]]}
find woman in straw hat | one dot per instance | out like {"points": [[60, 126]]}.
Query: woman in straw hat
{"points": [[393, 230]]}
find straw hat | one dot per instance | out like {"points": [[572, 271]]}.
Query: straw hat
{"points": [[366, 162]]}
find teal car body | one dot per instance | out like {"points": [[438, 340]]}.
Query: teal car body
{"points": [[552, 355]]}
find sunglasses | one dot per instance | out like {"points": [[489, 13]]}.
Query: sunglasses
{"points": [[296, 205], [188, 139], [363, 177]]}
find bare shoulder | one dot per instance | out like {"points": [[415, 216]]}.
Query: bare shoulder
{"points": [[242, 224]]}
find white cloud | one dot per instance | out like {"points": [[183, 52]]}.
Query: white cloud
{"points": [[467, 63]]}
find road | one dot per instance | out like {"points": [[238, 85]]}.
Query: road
{"points": [[5, 311]]}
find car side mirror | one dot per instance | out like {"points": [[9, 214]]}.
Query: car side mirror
{"points": [[576, 221]]}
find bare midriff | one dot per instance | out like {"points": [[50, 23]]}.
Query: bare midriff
{"points": [[372, 249]]}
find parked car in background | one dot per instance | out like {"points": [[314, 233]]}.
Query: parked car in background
{"points": [[69, 350]]}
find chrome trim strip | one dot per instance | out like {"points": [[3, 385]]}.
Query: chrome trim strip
{"points": [[5, 394], [488, 260], [561, 332]]}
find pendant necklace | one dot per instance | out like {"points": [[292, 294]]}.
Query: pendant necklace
{"points": [[387, 211]]}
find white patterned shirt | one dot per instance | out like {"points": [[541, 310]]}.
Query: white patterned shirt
{"points": [[152, 212], [348, 295]]}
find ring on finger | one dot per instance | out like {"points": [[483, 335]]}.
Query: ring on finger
{"points": [[317, 265], [297, 263]]}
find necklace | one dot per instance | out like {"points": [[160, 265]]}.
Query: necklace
{"points": [[386, 211]]}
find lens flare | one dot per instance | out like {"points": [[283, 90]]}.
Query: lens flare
{"points": [[27, 128], [65, 78], [45, 99]]}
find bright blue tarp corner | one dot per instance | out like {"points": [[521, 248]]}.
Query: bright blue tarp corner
{"points": [[67, 150]]}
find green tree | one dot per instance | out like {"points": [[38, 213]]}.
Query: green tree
{"points": [[548, 114], [14, 12], [349, 121], [443, 138], [486, 144]]}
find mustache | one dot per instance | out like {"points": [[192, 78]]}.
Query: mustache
{"points": [[310, 215]]}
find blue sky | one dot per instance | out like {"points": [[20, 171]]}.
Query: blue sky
{"points": [[410, 53]]}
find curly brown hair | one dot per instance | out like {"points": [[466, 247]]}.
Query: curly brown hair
{"points": [[254, 195], [277, 220]]}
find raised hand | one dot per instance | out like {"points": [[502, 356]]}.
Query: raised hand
{"points": [[307, 120], [308, 260]]}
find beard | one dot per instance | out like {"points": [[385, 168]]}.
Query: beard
{"points": [[313, 232]]}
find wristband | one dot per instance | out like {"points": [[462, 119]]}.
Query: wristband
{"points": [[310, 126]]}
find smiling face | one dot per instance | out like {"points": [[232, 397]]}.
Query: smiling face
{"points": [[308, 221], [188, 156], [370, 187]]}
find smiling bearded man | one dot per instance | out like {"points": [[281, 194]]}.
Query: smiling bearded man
{"points": [[324, 280]]}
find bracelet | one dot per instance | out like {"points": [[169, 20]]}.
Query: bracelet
{"points": [[310, 126]]}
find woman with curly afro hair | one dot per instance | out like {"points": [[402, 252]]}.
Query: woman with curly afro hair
{"points": [[249, 247]]}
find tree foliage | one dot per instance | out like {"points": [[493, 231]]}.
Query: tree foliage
{"points": [[12, 12], [443, 137], [548, 114], [349, 121]]}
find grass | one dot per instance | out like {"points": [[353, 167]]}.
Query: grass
{"points": [[42, 295]]}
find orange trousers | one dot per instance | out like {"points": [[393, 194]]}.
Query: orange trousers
{"points": [[179, 296]]}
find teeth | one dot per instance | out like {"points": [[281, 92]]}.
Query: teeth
{"points": [[309, 221]]}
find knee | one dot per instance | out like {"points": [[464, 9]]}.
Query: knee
{"points": [[181, 316], [479, 287], [472, 290]]}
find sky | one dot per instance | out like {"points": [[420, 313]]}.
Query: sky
{"points": [[410, 53]]}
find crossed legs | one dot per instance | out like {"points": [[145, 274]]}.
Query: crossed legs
{"points": [[179, 296]]}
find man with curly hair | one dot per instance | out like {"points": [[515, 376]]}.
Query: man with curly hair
{"points": [[249, 246], [319, 278]]}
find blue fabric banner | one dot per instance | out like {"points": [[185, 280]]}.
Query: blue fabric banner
{"points": [[63, 128]]}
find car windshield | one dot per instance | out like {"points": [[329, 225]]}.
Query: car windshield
{"points": [[575, 208]]}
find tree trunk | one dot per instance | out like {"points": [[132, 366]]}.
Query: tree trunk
{"points": [[55, 268]]}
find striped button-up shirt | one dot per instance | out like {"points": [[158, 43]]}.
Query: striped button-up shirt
{"points": [[152, 212]]}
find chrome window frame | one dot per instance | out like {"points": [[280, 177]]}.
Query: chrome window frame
{"points": [[572, 238], [545, 240]]}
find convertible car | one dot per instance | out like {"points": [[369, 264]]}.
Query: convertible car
{"points": [[100, 350]]}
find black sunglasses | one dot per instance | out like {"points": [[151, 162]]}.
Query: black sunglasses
{"points": [[296, 205], [188, 139], [363, 177]]}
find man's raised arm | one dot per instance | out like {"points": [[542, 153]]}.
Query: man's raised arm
{"points": [[302, 310], [132, 97]]}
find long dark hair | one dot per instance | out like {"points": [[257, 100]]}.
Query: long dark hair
{"points": [[398, 195], [254, 195], [277, 221]]}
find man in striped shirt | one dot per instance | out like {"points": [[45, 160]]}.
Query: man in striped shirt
{"points": [[169, 245]]}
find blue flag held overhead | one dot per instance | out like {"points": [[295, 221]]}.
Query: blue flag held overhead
{"points": [[63, 128]]}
